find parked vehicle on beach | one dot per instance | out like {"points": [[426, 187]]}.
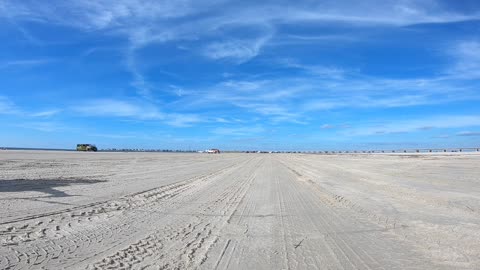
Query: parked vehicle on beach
{"points": [[86, 147]]}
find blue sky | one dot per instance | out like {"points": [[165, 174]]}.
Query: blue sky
{"points": [[275, 75]]}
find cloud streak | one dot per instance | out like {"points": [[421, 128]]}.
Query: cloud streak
{"points": [[292, 98], [25, 63], [118, 108], [7, 106], [145, 22], [135, 109], [236, 50], [46, 113], [419, 124], [239, 131], [468, 134], [466, 56]]}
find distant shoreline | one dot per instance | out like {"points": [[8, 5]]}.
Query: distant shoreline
{"points": [[381, 151], [32, 148]]}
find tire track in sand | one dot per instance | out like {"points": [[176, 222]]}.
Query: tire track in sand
{"points": [[121, 217], [188, 236]]}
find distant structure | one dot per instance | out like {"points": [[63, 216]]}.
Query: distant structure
{"points": [[86, 147], [213, 151]]}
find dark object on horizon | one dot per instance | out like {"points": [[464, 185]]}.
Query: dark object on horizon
{"points": [[86, 147]]}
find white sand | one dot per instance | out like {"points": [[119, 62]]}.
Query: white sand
{"points": [[68, 210]]}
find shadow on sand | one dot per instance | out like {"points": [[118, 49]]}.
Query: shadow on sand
{"points": [[47, 186]]}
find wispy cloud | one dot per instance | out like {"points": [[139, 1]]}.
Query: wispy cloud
{"points": [[369, 100], [7, 106], [469, 133], [46, 113], [236, 50], [145, 22], [183, 120], [322, 71], [44, 126], [144, 88], [443, 136], [239, 131], [114, 14], [334, 126], [292, 98], [142, 23], [419, 124], [25, 63], [295, 39], [118, 108], [113, 136], [327, 126], [135, 109], [466, 57]]}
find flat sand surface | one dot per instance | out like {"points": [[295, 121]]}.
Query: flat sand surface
{"points": [[72, 210]]}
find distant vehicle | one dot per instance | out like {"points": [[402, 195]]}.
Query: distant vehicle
{"points": [[86, 147], [212, 151]]}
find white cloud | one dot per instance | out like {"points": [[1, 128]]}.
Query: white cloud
{"points": [[118, 108], [23, 63], [237, 50], [324, 104], [44, 126], [466, 56], [144, 22], [238, 131], [443, 136], [295, 97], [389, 12], [113, 136], [367, 100], [144, 89], [469, 133], [90, 15], [7, 106], [221, 120], [419, 124], [275, 112], [183, 120], [322, 71], [243, 86], [46, 113], [114, 14], [135, 109]]}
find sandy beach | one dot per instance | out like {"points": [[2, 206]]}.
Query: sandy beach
{"points": [[73, 210]]}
